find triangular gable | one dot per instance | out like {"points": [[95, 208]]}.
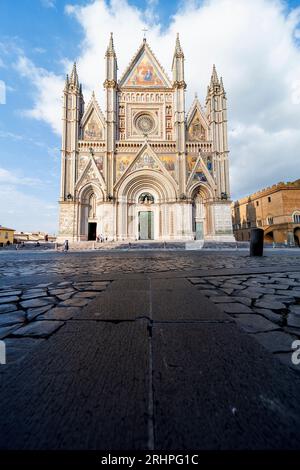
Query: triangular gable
{"points": [[145, 71], [200, 173], [197, 124], [90, 173], [93, 122], [146, 158]]}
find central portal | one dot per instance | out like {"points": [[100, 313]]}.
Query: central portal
{"points": [[146, 226]]}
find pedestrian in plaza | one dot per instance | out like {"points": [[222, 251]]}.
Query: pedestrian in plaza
{"points": [[66, 245]]}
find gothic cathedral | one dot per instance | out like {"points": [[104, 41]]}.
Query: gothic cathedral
{"points": [[144, 169]]}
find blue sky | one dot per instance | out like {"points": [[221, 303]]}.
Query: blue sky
{"points": [[39, 39]]}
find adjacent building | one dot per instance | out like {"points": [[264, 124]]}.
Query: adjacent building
{"points": [[275, 209], [144, 168], [6, 236]]}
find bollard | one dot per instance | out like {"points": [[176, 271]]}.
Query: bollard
{"points": [[256, 242]]}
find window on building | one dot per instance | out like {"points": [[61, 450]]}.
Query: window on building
{"points": [[257, 203], [296, 218], [270, 220], [269, 198], [258, 223]]}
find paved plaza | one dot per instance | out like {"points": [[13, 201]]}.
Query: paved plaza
{"points": [[148, 350]]}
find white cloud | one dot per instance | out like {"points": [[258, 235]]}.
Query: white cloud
{"points": [[20, 210], [25, 211], [8, 177], [47, 100], [252, 44], [48, 3]]}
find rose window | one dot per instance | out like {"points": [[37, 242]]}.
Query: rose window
{"points": [[145, 123]]}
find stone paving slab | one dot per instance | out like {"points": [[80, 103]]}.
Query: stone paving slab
{"points": [[39, 329], [254, 323], [276, 341], [88, 389], [142, 365], [217, 389], [182, 303], [125, 303], [18, 348]]}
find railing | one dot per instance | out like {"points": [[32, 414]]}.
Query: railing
{"points": [[196, 147], [87, 144], [134, 146]]}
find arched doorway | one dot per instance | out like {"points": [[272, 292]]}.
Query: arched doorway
{"points": [[199, 213], [92, 223], [297, 236], [146, 217], [144, 211], [89, 213], [269, 237]]}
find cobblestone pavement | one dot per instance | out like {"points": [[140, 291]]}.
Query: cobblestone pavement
{"points": [[93, 262], [149, 350], [30, 315], [267, 306]]}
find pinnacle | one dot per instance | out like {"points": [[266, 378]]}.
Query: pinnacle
{"points": [[214, 76], [178, 49], [74, 75], [110, 49]]}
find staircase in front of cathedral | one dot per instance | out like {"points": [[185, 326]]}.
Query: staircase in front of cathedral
{"points": [[153, 245]]}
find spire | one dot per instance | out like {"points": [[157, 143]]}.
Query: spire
{"points": [[214, 77], [67, 82], [222, 86], [110, 49], [178, 49], [74, 76]]}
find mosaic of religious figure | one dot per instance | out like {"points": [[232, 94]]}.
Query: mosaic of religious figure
{"points": [[199, 176], [144, 74], [191, 160], [92, 130], [123, 163], [169, 163], [99, 163], [196, 130]]}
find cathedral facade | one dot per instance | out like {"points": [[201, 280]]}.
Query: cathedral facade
{"points": [[144, 169]]}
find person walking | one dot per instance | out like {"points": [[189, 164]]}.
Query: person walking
{"points": [[66, 245]]}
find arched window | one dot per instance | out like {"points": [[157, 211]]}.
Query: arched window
{"points": [[296, 217]]}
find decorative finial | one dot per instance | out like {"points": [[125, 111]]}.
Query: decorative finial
{"points": [[74, 75], [144, 37], [178, 49], [110, 49], [214, 76]]}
